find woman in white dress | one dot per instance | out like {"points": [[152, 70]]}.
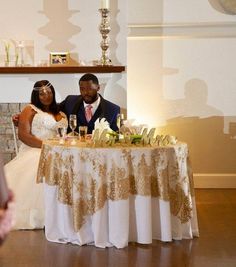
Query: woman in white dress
{"points": [[38, 121]]}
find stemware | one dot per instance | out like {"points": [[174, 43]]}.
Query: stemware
{"points": [[119, 121], [73, 123], [82, 133], [62, 134]]}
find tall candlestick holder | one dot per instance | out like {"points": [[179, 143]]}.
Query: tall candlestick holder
{"points": [[104, 29]]}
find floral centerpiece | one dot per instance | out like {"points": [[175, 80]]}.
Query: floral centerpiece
{"points": [[126, 134], [129, 134]]}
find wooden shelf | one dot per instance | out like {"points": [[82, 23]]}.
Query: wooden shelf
{"points": [[61, 69]]}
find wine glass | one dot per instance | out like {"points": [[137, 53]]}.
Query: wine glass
{"points": [[73, 123]]}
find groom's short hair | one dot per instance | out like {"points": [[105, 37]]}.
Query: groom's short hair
{"points": [[89, 77]]}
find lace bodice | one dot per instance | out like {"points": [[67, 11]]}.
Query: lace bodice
{"points": [[44, 124]]}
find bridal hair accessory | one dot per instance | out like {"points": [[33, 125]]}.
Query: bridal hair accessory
{"points": [[44, 88]]}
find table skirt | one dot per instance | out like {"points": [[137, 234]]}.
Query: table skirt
{"points": [[136, 219]]}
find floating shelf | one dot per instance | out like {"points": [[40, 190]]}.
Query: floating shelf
{"points": [[62, 69]]}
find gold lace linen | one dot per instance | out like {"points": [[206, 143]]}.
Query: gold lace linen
{"points": [[87, 177]]}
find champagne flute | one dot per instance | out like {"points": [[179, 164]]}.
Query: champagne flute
{"points": [[119, 121], [73, 123]]}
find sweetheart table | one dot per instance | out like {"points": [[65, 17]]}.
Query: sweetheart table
{"points": [[109, 196]]}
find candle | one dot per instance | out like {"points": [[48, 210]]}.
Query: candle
{"points": [[105, 4]]}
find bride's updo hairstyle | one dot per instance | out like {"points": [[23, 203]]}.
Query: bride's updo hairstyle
{"points": [[40, 85]]}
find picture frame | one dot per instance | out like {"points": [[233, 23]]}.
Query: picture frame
{"points": [[59, 58]]}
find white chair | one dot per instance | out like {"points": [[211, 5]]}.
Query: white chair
{"points": [[14, 136]]}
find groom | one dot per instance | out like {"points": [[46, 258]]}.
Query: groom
{"points": [[90, 105]]}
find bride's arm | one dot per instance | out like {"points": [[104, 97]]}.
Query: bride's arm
{"points": [[24, 128]]}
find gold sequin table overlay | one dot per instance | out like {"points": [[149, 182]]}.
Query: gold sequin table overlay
{"points": [[86, 177]]}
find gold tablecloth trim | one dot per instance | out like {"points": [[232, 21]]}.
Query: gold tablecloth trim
{"points": [[156, 173]]}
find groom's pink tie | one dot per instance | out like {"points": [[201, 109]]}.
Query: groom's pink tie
{"points": [[88, 112]]}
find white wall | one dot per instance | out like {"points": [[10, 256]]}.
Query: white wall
{"points": [[61, 25], [181, 77]]}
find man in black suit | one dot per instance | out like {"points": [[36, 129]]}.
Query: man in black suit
{"points": [[90, 100]]}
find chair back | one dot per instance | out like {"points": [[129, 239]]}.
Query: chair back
{"points": [[14, 136]]}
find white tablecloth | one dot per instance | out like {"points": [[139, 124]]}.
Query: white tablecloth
{"points": [[110, 196]]}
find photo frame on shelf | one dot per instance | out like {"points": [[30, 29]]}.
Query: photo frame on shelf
{"points": [[59, 58]]}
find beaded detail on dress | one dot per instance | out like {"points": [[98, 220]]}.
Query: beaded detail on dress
{"points": [[44, 124]]}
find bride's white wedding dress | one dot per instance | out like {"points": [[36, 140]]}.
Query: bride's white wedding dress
{"points": [[22, 170]]}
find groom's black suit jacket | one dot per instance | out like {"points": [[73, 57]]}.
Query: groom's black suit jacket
{"points": [[73, 104]]}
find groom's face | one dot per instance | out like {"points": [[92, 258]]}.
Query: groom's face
{"points": [[88, 91]]}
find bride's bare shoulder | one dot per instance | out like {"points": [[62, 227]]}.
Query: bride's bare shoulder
{"points": [[28, 111]]}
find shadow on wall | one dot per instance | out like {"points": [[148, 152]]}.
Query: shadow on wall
{"points": [[211, 150], [58, 29], [202, 127], [115, 29], [114, 92], [194, 103]]}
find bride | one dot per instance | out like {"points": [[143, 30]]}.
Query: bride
{"points": [[38, 121]]}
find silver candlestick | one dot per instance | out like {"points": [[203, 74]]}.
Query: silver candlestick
{"points": [[104, 29]]}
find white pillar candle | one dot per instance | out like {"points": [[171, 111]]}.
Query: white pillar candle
{"points": [[105, 4]]}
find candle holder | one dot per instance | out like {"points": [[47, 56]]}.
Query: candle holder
{"points": [[104, 29]]}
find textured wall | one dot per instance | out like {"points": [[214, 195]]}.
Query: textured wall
{"points": [[6, 131]]}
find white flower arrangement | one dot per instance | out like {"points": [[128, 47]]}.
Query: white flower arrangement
{"points": [[102, 124], [103, 133]]}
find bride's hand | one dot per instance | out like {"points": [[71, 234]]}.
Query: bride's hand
{"points": [[15, 119]]}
